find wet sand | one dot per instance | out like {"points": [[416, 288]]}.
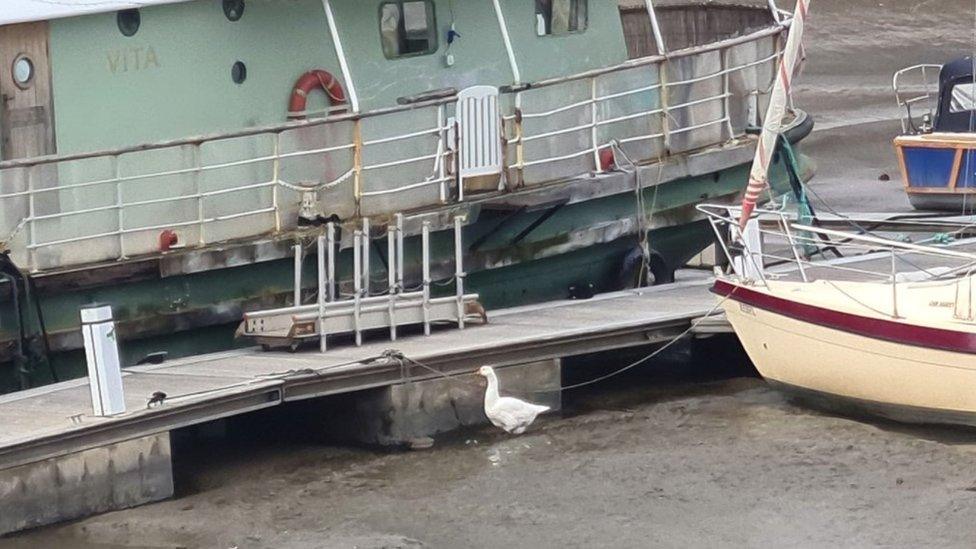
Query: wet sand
{"points": [[643, 461]]}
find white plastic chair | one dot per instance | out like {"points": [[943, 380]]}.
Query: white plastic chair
{"points": [[479, 134]]}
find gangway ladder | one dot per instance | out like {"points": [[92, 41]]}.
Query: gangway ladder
{"points": [[329, 315], [478, 132]]}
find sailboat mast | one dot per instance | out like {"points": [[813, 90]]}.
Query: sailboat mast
{"points": [[772, 124]]}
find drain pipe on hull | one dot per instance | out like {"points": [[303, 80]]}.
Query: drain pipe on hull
{"points": [[341, 54], [516, 76]]}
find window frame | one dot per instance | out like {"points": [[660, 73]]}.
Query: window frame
{"points": [[586, 20], [432, 30]]}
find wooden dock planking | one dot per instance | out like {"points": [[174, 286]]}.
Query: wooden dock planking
{"points": [[38, 424]]}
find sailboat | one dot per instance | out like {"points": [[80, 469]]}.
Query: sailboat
{"points": [[899, 344]]}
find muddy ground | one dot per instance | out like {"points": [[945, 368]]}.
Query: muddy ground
{"points": [[670, 460]]}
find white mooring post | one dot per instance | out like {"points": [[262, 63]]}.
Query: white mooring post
{"points": [[391, 262], [459, 270], [102, 355], [323, 292], [357, 243], [297, 298], [425, 253]]}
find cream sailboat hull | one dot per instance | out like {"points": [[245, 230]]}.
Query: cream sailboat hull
{"points": [[806, 337]]}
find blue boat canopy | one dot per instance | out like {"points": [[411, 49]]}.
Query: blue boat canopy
{"points": [[957, 97]]}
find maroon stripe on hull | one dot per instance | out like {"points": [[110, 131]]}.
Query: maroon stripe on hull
{"points": [[877, 328]]}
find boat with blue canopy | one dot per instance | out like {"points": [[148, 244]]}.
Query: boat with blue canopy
{"points": [[937, 148]]}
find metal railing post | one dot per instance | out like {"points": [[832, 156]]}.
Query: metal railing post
{"points": [[774, 10], [322, 293], [197, 163], [459, 273], [366, 251], [597, 168], [425, 259], [331, 261], [894, 284], [655, 27], [357, 164], [357, 283], [31, 224], [441, 152], [726, 92], [793, 246], [276, 175], [297, 292], [391, 278], [399, 251], [665, 114], [119, 204]]}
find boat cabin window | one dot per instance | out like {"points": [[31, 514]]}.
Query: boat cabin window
{"points": [[963, 98], [128, 21], [23, 71], [407, 28], [233, 9], [560, 16]]}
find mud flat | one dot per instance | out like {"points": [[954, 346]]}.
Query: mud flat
{"points": [[664, 463]]}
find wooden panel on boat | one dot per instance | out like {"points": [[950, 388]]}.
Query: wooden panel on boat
{"points": [[685, 26], [26, 118]]}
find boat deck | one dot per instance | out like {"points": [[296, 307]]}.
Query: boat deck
{"points": [[56, 419]]}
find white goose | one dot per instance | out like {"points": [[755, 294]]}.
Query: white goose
{"points": [[511, 414]]}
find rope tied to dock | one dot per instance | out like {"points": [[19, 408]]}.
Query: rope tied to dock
{"points": [[398, 356]]}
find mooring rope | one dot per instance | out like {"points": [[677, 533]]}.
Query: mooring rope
{"points": [[394, 354]]}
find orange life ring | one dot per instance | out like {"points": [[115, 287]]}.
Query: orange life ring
{"points": [[307, 82]]}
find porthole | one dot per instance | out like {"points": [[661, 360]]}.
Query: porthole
{"points": [[238, 72], [22, 71], [233, 9], [128, 21]]}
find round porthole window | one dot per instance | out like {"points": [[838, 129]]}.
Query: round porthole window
{"points": [[238, 72], [128, 21], [23, 71], [233, 9]]}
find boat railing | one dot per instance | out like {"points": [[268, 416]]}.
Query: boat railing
{"points": [[78, 209], [916, 92], [778, 244]]}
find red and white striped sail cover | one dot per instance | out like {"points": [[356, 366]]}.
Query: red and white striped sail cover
{"points": [[759, 177]]}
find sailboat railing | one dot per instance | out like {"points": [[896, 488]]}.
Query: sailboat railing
{"points": [[806, 255]]}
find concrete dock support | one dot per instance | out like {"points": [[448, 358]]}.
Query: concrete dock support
{"points": [[84, 483], [401, 415]]}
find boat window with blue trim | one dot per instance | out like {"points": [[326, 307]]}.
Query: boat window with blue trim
{"points": [[408, 28], [560, 16]]}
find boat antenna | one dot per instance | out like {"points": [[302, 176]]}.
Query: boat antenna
{"points": [[773, 122]]}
